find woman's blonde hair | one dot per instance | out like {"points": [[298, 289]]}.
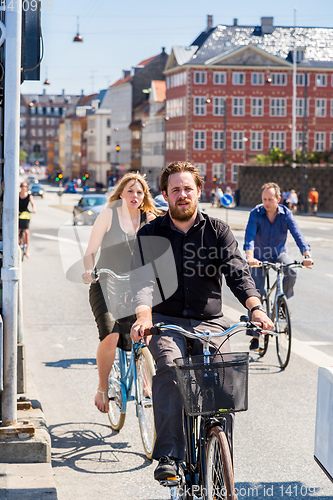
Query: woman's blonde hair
{"points": [[147, 204]]}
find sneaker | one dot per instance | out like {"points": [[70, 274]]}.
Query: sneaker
{"points": [[166, 468], [254, 344]]}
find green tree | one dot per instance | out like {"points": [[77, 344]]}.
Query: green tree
{"points": [[23, 156]]}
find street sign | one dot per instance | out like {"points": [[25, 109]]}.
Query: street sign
{"points": [[226, 200]]}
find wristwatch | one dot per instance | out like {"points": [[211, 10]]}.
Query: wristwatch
{"points": [[307, 256], [256, 308]]}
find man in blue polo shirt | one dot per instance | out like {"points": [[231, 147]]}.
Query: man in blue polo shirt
{"points": [[265, 240]]}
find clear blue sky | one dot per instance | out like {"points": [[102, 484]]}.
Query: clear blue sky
{"points": [[118, 34]]}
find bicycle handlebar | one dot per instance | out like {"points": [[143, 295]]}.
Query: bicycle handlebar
{"points": [[207, 334], [97, 273], [277, 266]]}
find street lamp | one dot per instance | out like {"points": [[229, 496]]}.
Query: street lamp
{"points": [[78, 37], [245, 139]]}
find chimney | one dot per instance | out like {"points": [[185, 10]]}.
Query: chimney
{"points": [[267, 25], [126, 73], [235, 21], [209, 21], [63, 92], [82, 91], [163, 50]]}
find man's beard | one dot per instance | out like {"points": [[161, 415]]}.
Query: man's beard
{"points": [[182, 214]]}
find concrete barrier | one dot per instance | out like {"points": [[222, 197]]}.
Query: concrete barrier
{"points": [[323, 452]]}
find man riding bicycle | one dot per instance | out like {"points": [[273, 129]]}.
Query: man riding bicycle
{"points": [[265, 240], [204, 250]]}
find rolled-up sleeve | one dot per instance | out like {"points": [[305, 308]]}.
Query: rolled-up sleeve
{"points": [[297, 234], [250, 232]]}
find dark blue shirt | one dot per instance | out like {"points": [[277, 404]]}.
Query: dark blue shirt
{"points": [[267, 239]]}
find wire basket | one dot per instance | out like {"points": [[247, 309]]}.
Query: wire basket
{"points": [[117, 295], [217, 387]]}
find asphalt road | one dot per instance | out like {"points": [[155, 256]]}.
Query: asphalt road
{"points": [[274, 439]]}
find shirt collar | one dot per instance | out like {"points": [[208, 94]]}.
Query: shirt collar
{"points": [[167, 222], [262, 210]]}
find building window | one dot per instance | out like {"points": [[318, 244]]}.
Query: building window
{"points": [[300, 107], [279, 78], [40, 121], [219, 172], [234, 173], [331, 142], [300, 79], [202, 169], [238, 141], [200, 77], [32, 121], [320, 141], [238, 106], [277, 140], [320, 111], [331, 107], [278, 107], [108, 140], [108, 123], [257, 106], [219, 106], [321, 80], [33, 132], [199, 139], [218, 139], [108, 156], [199, 106], [40, 110], [238, 78], [256, 140], [220, 78], [299, 140], [33, 111], [258, 79]]}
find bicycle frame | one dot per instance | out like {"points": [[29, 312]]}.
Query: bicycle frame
{"points": [[269, 291]]}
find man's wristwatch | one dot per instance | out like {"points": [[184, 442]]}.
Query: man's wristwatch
{"points": [[307, 256], [256, 308]]}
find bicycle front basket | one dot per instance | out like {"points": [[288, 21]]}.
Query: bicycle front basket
{"points": [[216, 387]]}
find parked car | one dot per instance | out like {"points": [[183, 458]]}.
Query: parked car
{"points": [[32, 179], [160, 203], [70, 187], [88, 208], [36, 190]]}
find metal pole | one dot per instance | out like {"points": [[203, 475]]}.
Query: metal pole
{"points": [[10, 271], [293, 141], [225, 138]]}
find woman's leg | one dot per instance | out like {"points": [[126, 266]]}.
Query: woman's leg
{"points": [[106, 353]]}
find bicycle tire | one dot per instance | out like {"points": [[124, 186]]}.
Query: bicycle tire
{"points": [[283, 327], [219, 471], [265, 341], [145, 370], [116, 397]]}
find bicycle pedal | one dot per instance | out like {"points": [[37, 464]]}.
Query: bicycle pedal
{"points": [[170, 481]]}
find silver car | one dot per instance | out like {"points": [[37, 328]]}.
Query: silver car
{"points": [[88, 208]]}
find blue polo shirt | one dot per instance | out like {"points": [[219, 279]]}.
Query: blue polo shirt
{"points": [[268, 240]]}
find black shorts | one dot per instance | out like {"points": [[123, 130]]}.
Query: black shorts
{"points": [[24, 223], [104, 320]]}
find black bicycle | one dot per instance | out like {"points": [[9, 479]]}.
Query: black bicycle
{"points": [[276, 306], [212, 386]]}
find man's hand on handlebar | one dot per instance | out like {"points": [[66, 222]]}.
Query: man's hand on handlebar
{"points": [[307, 262], [262, 319], [143, 324]]}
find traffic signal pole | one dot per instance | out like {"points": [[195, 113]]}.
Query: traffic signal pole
{"points": [[10, 269]]}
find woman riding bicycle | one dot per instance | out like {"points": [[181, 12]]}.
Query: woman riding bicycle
{"points": [[24, 214], [114, 231]]}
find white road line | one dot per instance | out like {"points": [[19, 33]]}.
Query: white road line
{"points": [[298, 347], [329, 275]]}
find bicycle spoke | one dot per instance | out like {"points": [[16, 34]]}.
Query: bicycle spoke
{"points": [[283, 340]]}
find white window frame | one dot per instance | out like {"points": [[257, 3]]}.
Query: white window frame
{"points": [[299, 140], [200, 78], [238, 106], [220, 78], [279, 79], [277, 139], [319, 141], [219, 172], [237, 143], [300, 104], [202, 169], [320, 108], [256, 108], [238, 78], [218, 106], [277, 106], [257, 76], [199, 106], [300, 79], [321, 80], [234, 172], [199, 140], [218, 140], [331, 141], [256, 141]]}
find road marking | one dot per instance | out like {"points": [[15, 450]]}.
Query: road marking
{"points": [[298, 347], [329, 275]]}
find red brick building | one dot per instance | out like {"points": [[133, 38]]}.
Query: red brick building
{"points": [[230, 96]]}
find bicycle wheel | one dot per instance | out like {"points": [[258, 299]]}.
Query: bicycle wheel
{"points": [[219, 471], [117, 397], [263, 343], [283, 327], [145, 370]]}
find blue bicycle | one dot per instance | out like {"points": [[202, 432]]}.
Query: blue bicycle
{"points": [[130, 370]]}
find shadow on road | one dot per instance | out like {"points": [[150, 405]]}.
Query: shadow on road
{"points": [[68, 363], [90, 448]]}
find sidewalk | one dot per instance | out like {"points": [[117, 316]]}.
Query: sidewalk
{"points": [[25, 463]]}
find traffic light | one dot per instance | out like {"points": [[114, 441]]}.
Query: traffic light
{"points": [[214, 180], [117, 148], [59, 176], [85, 177]]}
